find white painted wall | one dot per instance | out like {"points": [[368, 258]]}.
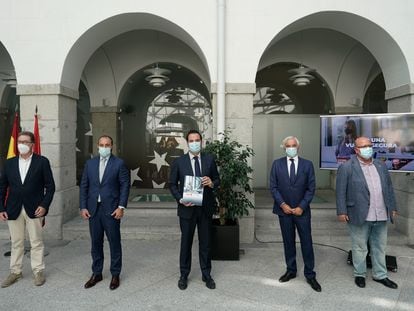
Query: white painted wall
{"points": [[40, 34]]}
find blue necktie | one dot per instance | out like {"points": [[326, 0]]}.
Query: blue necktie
{"points": [[292, 171], [197, 169]]}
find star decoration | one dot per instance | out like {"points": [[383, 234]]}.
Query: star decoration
{"points": [[159, 161], [89, 133], [77, 149], [134, 175], [158, 186]]}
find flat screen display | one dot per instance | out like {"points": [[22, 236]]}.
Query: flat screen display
{"points": [[392, 137]]}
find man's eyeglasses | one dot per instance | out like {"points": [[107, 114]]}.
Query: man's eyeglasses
{"points": [[25, 142]]}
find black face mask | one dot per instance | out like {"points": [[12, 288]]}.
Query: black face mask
{"points": [[348, 131]]}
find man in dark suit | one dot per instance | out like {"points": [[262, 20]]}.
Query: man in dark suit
{"points": [[365, 200], [195, 163], [104, 191], [28, 184], [292, 184]]}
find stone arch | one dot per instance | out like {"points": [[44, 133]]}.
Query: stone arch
{"points": [[111, 27], [372, 36]]}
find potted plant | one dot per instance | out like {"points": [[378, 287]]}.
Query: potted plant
{"points": [[232, 160]]}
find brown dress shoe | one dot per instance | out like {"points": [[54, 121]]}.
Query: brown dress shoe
{"points": [[93, 280], [114, 282]]}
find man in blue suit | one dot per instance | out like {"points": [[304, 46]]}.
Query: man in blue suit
{"points": [[26, 192], [203, 165], [292, 184], [365, 200], [104, 191]]}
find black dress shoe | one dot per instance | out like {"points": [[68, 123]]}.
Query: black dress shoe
{"points": [[114, 282], [287, 277], [209, 282], [360, 281], [93, 280], [387, 282], [314, 284], [182, 283]]}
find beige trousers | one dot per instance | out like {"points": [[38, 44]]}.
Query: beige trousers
{"points": [[17, 230]]}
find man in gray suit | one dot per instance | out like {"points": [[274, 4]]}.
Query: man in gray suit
{"points": [[365, 199]]}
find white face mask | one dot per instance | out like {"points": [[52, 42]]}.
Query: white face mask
{"points": [[194, 146], [291, 152], [104, 151], [23, 149]]}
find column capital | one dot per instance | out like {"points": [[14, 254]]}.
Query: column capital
{"points": [[46, 89], [236, 88], [401, 91]]}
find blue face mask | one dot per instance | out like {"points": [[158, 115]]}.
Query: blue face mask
{"points": [[291, 152], [195, 146], [104, 151], [366, 152]]}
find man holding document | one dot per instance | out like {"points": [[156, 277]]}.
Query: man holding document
{"points": [[193, 177]]}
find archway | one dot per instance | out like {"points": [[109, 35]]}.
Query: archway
{"points": [[110, 28], [112, 63], [9, 101], [154, 121], [347, 60]]}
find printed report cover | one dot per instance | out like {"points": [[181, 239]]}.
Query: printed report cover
{"points": [[193, 190]]}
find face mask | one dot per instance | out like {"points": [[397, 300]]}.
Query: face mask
{"points": [[104, 151], [195, 146], [291, 152], [23, 149], [366, 152]]}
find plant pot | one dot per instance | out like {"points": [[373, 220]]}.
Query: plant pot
{"points": [[225, 240]]}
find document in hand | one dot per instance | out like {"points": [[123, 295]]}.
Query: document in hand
{"points": [[193, 190]]}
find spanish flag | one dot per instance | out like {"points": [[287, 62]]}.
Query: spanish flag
{"points": [[12, 151]]}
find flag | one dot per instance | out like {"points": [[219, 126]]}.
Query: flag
{"points": [[36, 147], [12, 151]]}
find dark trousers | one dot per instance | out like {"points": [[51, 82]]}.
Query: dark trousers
{"points": [[188, 226], [99, 224], [288, 224]]}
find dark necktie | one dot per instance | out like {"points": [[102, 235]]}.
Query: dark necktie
{"points": [[197, 169], [292, 171]]}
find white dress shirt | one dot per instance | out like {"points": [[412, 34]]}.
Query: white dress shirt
{"points": [[296, 161], [24, 165]]}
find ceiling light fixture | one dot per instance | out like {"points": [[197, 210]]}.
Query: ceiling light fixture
{"points": [[157, 76], [301, 76]]}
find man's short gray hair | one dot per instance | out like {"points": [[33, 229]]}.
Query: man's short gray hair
{"points": [[284, 141]]}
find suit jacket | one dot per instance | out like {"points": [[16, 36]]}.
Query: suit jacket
{"points": [[352, 194], [114, 188], [37, 190], [182, 167], [299, 193]]}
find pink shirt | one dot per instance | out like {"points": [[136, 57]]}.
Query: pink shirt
{"points": [[377, 209]]}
